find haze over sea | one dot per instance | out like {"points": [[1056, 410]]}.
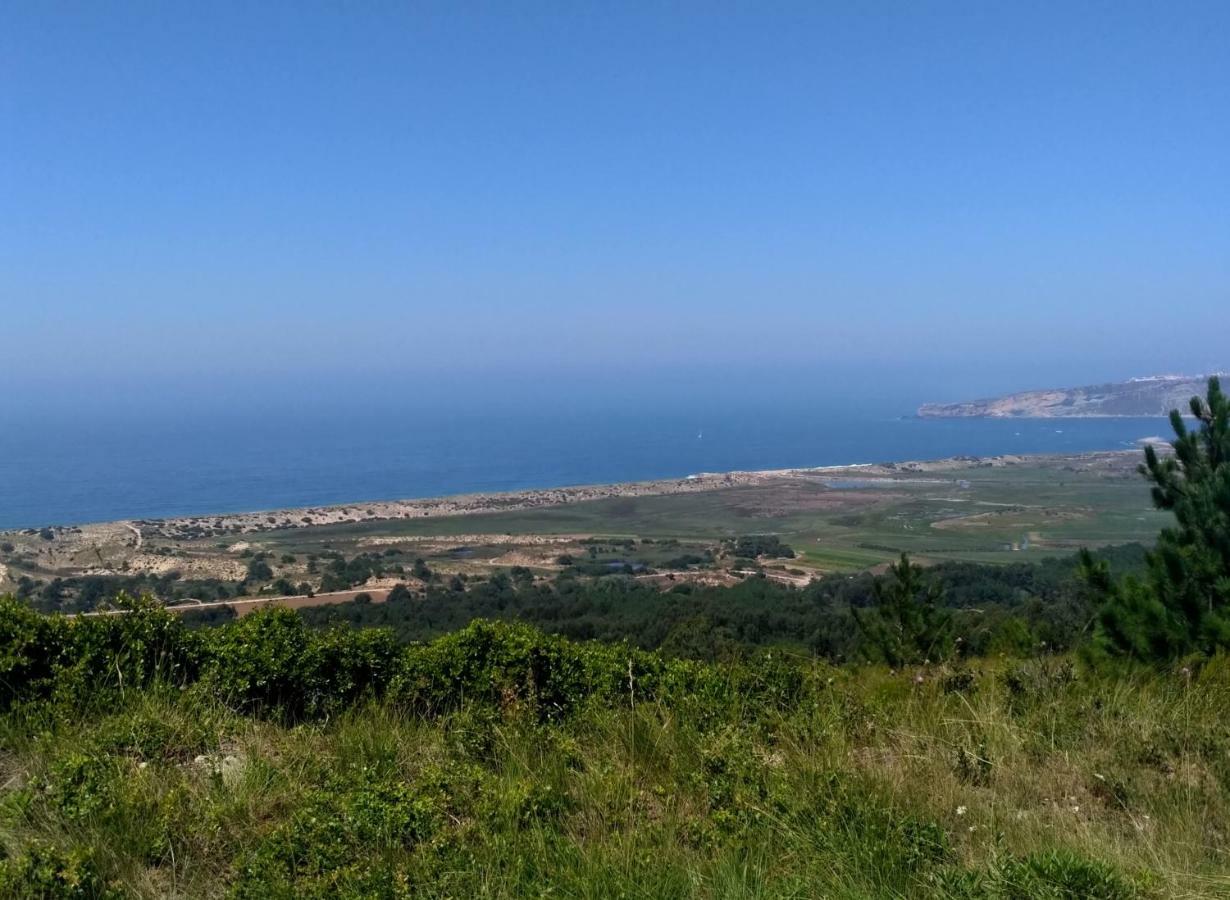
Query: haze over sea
{"points": [[282, 254], [156, 458]]}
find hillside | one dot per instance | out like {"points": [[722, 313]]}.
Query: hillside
{"points": [[262, 759], [981, 756], [1152, 396]]}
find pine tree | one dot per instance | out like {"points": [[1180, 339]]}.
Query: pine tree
{"points": [[907, 623], [1182, 605]]}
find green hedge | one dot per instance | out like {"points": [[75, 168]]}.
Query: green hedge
{"points": [[270, 663], [75, 661]]}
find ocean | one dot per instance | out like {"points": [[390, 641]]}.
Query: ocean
{"points": [[76, 471]]}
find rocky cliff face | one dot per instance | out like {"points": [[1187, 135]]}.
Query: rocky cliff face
{"points": [[1155, 396]]}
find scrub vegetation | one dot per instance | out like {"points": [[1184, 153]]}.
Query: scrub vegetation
{"points": [[264, 758], [273, 757]]}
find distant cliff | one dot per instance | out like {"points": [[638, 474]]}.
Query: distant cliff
{"points": [[1153, 396]]}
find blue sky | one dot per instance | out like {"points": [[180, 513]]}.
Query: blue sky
{"points": [[1011, 194]]}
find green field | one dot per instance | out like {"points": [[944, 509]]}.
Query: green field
{"points": [[1027, 511], [1007, 510]]}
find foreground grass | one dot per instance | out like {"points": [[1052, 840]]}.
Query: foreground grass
{"points": [[1003, 779]]}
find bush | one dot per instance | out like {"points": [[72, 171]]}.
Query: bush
{"points": [[497, 663], [315, 851], [1056, 875], [258, 570], [501, 759], [755, 546], [33, 649], [45, 873], [271, 663], [84, 659]]}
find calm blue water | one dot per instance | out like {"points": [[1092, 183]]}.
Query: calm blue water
{"points": [[65, 473]]}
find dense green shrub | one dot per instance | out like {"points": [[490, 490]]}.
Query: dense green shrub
{"points": [[1020, 609], [131, 649], [259, 570], [86, 658], [313, 852], [756, 546], [33, 649], [45, 873], [83, 593], [499, 760], [342, 573], [270, 662], [496, 663], [1055, 875]]}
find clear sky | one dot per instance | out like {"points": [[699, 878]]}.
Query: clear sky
{"points": [[1025, 193]]}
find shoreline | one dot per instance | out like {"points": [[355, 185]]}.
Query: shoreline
{"points": [[478, 503]]}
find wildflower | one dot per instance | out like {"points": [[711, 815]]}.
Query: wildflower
{"points": [[960, 810], [1076, 809]]}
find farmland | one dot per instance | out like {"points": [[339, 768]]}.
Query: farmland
{"points": [[999, 510]]}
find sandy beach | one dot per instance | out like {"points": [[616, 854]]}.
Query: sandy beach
{"points": [[235, 525]]}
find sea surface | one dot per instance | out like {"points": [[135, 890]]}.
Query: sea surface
{"points": [[79, 470]]}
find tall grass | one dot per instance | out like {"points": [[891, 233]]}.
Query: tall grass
{"points": [[534, 767]]}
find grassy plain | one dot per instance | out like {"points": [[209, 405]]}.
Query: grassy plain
{"points": [[1027, 510], [999, 510]]}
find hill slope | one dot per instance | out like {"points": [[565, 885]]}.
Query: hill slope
{"points": [[1153, 396], [262, 759]]}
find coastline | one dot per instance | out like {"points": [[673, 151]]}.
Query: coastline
{"points": [[1040, 416], [265, 520]]}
